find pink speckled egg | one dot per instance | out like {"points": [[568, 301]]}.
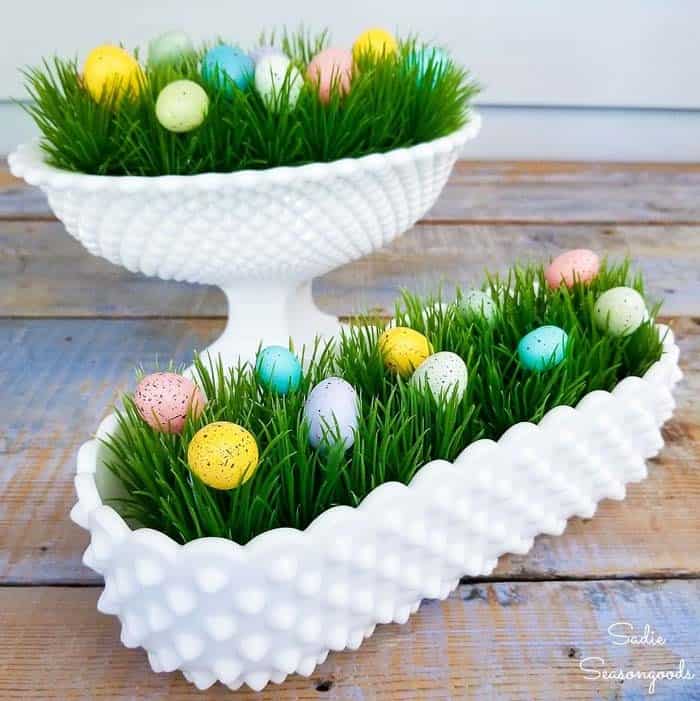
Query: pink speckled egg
{"points": [[578, 264], [329, 67], [164, 399]]}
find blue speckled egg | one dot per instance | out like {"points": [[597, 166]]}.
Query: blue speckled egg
{"points": [[332, 410], [543, 348], [230, 62], [278, 369], [427, 57]]}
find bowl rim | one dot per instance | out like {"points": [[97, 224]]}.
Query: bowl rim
{"points": [[90, 502], [27, 162]]}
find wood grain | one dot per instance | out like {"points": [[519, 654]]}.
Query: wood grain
{"points": [[59, 378], [519, 641], [580, 193], [45, 272], [500, 192]]}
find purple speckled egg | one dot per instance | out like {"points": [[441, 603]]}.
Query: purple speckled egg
{"points": [[164, 399]]}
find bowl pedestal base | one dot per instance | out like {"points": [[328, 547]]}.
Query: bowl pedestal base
{"points": [[267, 313]]}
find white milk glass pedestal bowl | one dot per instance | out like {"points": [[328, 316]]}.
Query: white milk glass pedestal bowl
{"points": [[262, 236]]}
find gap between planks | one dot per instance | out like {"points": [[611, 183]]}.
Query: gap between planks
{"points": [[473, 221], [666, 576]]}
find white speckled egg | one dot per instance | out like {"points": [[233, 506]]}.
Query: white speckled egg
{"points": [[476, 303], [620, 311], [275, 75], [260, 52], [444, 373], [332, 408]]}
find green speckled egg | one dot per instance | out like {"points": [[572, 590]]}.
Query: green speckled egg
{"points": [[476, 303], [169, 48], [182, 106], [444, 373], [619, 311]]}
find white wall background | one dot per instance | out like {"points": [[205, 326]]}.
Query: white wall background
{"points": [[601, 79]]}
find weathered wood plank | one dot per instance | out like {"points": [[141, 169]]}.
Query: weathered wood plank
{"points": [[431, 255], [570, 192], [60, 376], [45, 272], [19, 200], [515, 192], [487, 641]]}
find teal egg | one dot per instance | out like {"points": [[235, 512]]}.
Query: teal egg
{"points": [[278, 369], [428, 58], [543, 348], [224, 62], [168, 48]]}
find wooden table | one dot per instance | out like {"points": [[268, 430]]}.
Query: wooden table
{"points": [[73, 327]]}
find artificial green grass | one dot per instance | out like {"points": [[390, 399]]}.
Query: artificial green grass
{"points": [[388, 107], [401, 427]]}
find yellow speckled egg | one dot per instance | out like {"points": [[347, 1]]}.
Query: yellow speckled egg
{"points": [[404, 349], [110, 68], [375, 41], [223, 455]]}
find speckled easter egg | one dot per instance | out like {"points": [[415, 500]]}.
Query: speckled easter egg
{"points": [[164, 399], [428, 58], [403, 349], [182, 106], [376, 41], [224, 64], [275, 77], [543, 348], [443, 373], [110, 68], [260, 52], [579, 264], [331, 68], [332, 409], [476, 304], [223, 455], [170, 48], [619, 311], [278, 369]]}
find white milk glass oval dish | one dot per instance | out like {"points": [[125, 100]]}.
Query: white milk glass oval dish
{"points": [[253, 614], [228, 229]]}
